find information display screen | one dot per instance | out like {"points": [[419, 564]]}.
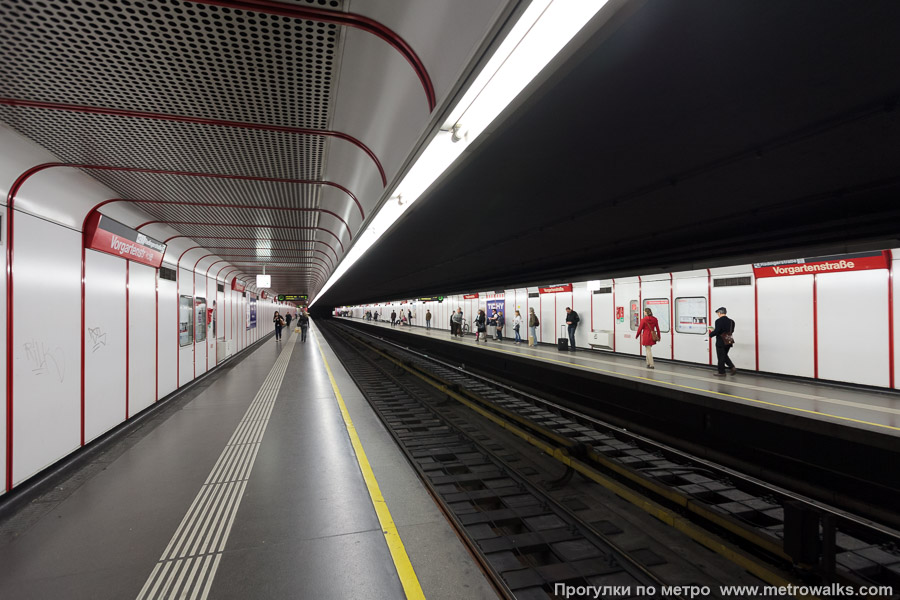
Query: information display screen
{"points": [[200, 320], [185, 320], [691, 315]]}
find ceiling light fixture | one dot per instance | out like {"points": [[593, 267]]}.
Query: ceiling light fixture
{"points": [[541, 33]]}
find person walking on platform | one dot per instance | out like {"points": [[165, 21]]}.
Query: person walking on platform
{"points": [[288, 318], [722, 331], [304, 325], [533, 324], [648, 334], [517, 324], [480, 325], [428, 319], [393, 317], [501, 323], [572, 320], [279, 323]]}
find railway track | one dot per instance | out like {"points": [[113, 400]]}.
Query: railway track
{"points": [[766, 530]]}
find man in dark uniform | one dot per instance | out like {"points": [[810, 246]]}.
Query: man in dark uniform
{"points": [[572, 320], [722, 332]]}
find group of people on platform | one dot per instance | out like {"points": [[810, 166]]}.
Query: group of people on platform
{"points": [[648, 333], [282, 321]]}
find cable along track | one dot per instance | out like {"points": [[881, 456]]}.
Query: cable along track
{"points": [[784, 529]]}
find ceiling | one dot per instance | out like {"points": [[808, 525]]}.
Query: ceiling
{"points": [[683, 134], [255, 132], [265, 134]]}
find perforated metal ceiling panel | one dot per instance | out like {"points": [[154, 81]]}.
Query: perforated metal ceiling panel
{"points": [[184, 59]]}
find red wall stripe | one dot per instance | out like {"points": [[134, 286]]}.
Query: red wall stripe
{"points": [[890, 262], [815, 330], [127, 334], [136, 114]]}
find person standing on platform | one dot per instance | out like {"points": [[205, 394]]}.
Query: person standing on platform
{"points": [[648, 334], [409, 318], [572, 320], [517, 324], [480, 326], [304, 325], [456, 323], [393, 317], [428, 319], [501, 323], [288, 318], [376, 316], [279, 323], [533, 324], [724, 341]]}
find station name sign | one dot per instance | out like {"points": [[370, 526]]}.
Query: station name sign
{"points": [[470, 297], [293, 297], [237, 285], [106, 235], [861, 261], [563, 287]]}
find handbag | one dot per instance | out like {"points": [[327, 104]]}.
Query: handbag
{"points": [[654, 334], [727, 339]]}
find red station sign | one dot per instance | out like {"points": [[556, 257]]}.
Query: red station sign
{"points": [[106, 235], [563, 287], [860, 261], [237, 285], [470, 297]]}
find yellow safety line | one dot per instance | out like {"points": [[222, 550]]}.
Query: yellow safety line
{"points": [[405, 570]]}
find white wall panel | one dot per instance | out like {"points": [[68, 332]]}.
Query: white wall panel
{"points": [[167, 335], [3, 351], [201, 291], [658, 288], [104, 343], [739, 302], [691, 347], [47, 345], [141, 337], [785, 324], [895, 281], [185, 353], [626, 292], [851, 311], [549, 330], [581, 303]]}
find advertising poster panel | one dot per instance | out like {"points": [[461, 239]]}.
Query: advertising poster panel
{"points": [[251, 312]]}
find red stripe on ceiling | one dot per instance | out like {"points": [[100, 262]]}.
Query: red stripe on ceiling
{"points": [[272, 253], [225, 205], [338, 18], [78, 108], [37, 168], [194, 237]]}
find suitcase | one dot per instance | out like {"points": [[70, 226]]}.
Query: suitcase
{"points": [[563, 341]]}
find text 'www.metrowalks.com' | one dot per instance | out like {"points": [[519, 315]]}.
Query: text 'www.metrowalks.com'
{"points": [[834, 590]]}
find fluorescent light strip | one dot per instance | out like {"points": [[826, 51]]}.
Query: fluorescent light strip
{"points": [[541, 33]]}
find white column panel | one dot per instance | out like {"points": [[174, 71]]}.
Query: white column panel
{"points": [[625, 340], [3, 353], [185, 353], [581, 303], [46, 345], [689, 346], [199, 367], [548, 331], [895, 282], [785, 324], [104, 343], [853, 342], [738, 300], [658, 289], [167, 336], [142, 337]]}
